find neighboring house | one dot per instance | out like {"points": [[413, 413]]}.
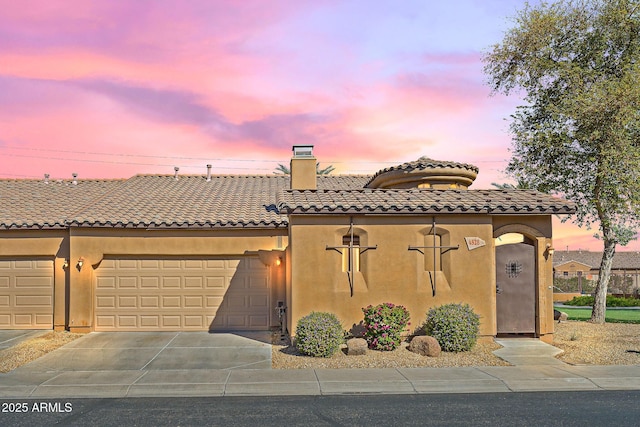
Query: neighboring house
{"points": [[222, 252], [585, 266]]}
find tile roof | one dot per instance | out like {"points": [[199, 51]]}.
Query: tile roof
{"points": [[236, 201], [423, 163], [416, 201], [35, 204], [621, 260], [191, 201]]}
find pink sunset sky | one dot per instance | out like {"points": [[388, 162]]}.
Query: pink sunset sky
{"points": [[110, 89]]}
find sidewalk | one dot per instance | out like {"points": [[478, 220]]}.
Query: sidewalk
{"points": [[179, 383], [535, 370]]}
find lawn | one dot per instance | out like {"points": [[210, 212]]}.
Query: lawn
{"points": [[613, 316]]}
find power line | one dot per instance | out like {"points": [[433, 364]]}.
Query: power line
{"points": [[130, 160], [93, 153], [120, 162], [126, 155]]}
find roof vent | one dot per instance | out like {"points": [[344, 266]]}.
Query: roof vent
{"points": [[46, 178], [75, 178], [208, 173], [175, 175]]}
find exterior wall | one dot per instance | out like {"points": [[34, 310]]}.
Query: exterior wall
{"points": [[390, 273], [310, 277], [39, 243], [557, 297], [92, 245], [73, 293], [538, 229], [73, 287], [572, 268]]}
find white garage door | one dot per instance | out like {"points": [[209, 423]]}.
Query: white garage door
{"points": [[26, 294], [181, 294]]}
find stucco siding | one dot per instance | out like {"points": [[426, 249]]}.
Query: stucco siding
{"points": [[391, 272], [95, 246]]}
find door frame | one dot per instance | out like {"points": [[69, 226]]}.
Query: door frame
{"points": [[538, 241], [531, 294]]}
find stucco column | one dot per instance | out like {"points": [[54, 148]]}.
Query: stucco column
{"points": [[60, 270], [80, 288], [545, 290]]}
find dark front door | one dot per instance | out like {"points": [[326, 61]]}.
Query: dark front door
{"points": [[515, 289]]}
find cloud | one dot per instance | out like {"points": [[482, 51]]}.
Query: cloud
{"points": [[144, 30], [181, 107], [252, 76], [163, 105]]}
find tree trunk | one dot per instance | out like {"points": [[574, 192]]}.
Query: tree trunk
{"points": [[600, 302]]}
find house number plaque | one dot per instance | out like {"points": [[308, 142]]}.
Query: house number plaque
{"points": [[474, 242]]}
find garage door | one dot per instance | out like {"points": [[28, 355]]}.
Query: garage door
{"points": [[26, 294], [181, 294]]}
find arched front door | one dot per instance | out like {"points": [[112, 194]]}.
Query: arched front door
{"points": [[516, 289]]}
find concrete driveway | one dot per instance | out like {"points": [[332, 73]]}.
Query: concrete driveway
{"points": [[153, 351]]}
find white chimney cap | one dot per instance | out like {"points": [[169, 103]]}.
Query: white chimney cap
{"points": [[303, 151]]}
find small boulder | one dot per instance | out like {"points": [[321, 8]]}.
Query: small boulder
{"points": [[425, 346], [356, 347], [559, 315]]}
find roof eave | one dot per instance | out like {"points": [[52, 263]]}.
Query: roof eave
{"points": [[433, 211]]}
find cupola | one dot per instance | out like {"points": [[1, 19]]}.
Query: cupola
{"points": [[425, 173]]}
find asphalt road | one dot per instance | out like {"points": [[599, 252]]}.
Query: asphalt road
{"points": [[599, 408]]}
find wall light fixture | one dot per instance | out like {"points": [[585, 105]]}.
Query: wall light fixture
{"points": [[550, 249]]}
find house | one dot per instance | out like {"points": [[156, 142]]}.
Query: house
{"points": [[227, 252], [583, 268]]}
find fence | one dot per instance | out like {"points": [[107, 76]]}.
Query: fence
{"points": [[619, 284]]}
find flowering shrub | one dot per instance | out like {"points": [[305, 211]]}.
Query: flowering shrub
{"points": [[383, 325], [319, 334], [455, 326]]}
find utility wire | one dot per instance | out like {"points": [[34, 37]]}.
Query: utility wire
{"points": [[91, 153]]}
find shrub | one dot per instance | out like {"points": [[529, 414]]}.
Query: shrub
{"points": [[587, 300], [383, 325], [583, 300], [319, 334], [622, 302], [455, 326]]}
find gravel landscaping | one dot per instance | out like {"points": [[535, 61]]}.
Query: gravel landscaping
{"points": [[582, 342], [29, 350], [585, 343]]}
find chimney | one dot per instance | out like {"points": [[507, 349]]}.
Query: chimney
{"points": [[208, 173], [175, 175], [303, 168], [46, 178], [75, 178]]}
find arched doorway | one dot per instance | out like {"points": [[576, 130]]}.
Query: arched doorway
{"points": [[515, 285]]}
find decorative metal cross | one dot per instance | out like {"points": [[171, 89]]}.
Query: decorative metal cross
{"points": [[432, 278], [350, 247]]}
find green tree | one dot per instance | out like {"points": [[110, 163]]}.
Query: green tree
{"points": [[282, 169], [576, 64], [521, 185]]}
